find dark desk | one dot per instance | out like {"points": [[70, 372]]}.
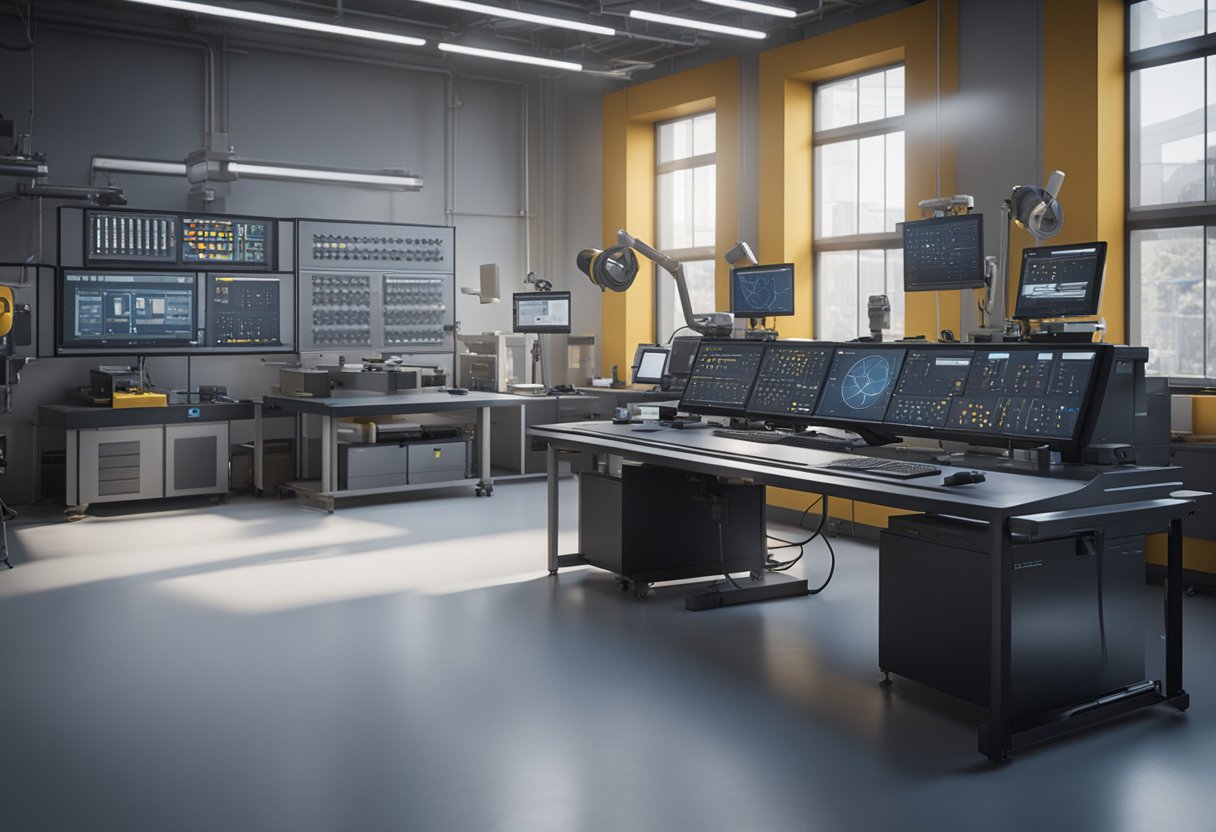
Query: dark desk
{"points": [[1019, 502], [331, 409]]}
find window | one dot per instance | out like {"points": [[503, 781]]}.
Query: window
{"points": [[685, 215], [859, 201], [1171, 215]]}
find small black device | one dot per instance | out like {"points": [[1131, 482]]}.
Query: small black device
{"points": [[649, 363], [457, 391], [762, 291], [541, 312], [944, 253], [1061, 281], [679, 363], [963, 478], [105, 381]]}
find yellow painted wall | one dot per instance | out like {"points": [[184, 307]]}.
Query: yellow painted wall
{"points": [[787, 78], [629, 119], [1084, 135]]}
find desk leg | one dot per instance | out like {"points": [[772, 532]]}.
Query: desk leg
{"points": [[996, 740], [329, 459], [552, 482], [486, 481], [1173, 612], [257, 449]]}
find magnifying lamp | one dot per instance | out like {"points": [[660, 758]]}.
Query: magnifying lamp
{"points": [[614, 269], [1038, 210]]}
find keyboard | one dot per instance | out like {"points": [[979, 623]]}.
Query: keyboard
{"points": [[886, 467], [789, 440]]}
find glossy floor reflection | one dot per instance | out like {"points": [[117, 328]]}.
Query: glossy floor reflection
{"points": [[260, 666]]}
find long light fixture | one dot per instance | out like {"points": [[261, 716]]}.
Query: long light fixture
{"points": [[258, 170], [509, 56], [287, 22], [513, 14], [733, 31], [266, 170], [758, 8]]}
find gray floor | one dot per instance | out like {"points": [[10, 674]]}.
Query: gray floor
{"points": [[263, 666]]}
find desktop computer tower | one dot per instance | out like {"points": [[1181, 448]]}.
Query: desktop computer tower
{"points": [[651, 524], [1077, 616]]}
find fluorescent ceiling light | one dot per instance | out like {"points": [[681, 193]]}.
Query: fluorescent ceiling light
{"points": [[512, 14], [697, 24], [758, 8], [288, 22], [509, 56], [255, 170], [139, 166]]}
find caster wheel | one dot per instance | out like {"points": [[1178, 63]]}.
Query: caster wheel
{"points": [[479, 492], [257, 492], [73, 518]]}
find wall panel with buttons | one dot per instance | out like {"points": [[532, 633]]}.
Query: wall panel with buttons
{"points": [[377, 288]]}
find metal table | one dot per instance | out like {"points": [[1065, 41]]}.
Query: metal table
{"points": [[334, 408], [1019, 502]]}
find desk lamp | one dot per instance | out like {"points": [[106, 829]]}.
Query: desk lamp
{"points": [[615, 268]]}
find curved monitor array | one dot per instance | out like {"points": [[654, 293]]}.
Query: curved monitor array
{"points": [[1021, 393]]}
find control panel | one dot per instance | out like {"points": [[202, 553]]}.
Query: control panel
{"points": [[1014, 393], [790, 378], [378, 287], [244, 311], [117, 236], [194, 241], [722, 376]]}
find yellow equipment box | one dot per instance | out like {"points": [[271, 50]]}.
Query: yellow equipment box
{"points": [[140, 399]]}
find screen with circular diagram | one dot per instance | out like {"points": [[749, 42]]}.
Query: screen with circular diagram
{"points": [[860, 383]]}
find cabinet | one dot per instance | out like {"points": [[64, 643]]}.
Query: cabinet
{"points": [[196, 459], [121, 464]]}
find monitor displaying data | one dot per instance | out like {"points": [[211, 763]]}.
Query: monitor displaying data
{"points": [[931, 380], [722, 376], [212, 239], [789, 382], [542, 312], [244, 312], [944, 253], [107, 312], [762, 291], [1025, 393], [1061, 281], [860, 383]]}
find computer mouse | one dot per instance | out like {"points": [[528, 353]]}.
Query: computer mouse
{"points": [[457, 391], [964, 477]]}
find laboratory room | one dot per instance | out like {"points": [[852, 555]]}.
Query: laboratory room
{"points": [[529, 415]]}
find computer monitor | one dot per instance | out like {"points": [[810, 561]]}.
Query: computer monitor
{"points": [[762, 291], [679, 363], [649, 363], [722, 376], [944, 253], [103, 313], [789, 382], [1062, 281], [860, 383], [541, 312]]}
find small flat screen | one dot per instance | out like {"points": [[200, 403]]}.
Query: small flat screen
{"points": [[1061, 281], [944, 253], [860, 383], [651, 365], [762, 291], [721, 377], [542, 312]]}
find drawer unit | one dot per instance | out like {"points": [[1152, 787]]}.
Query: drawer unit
{"points": [[372, 466], [121, 464], [439, 461]]}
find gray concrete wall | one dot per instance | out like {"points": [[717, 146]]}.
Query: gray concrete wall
{"points": [[102, 93]]}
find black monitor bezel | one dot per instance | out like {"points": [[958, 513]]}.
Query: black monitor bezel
{"points": [[1100, 278], [1081, 431], [788, 418], [977, 282], [760, 313], [642, 351], [540, 329], [178, 261], [175, 347]]}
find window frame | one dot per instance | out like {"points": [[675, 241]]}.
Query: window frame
{"points": [[683, 255], [1171, 216], [883, 241]]}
